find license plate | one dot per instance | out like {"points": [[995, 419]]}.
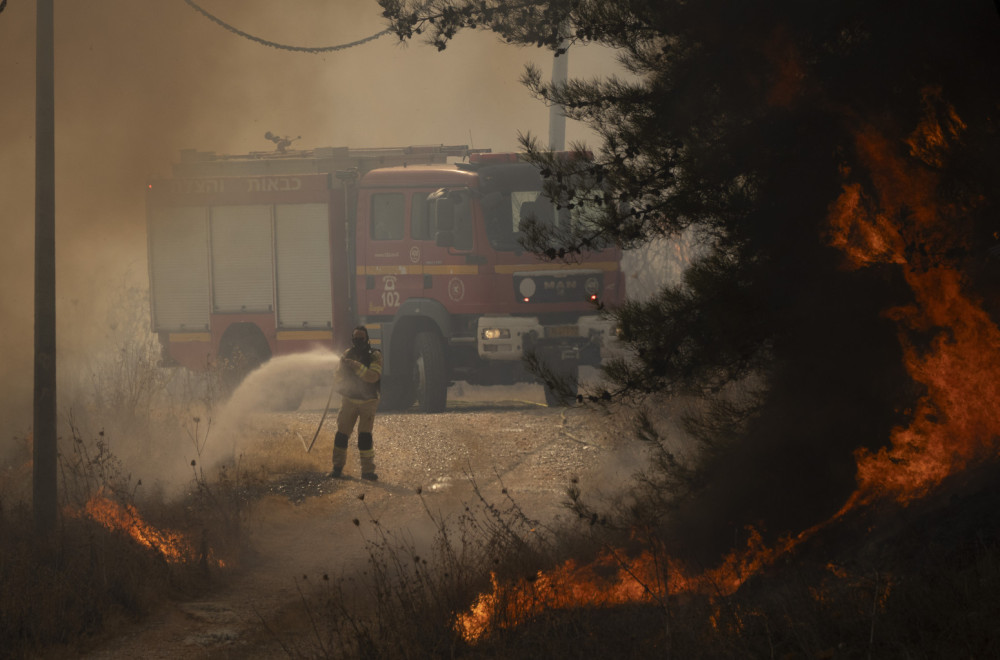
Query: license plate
{"points": [[562, 331]]}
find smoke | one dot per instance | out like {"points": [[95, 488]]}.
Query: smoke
{"points": [[138, 81], [182, 430], [659, 263]]}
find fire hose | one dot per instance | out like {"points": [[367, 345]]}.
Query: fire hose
{"points": [[321, 419]]}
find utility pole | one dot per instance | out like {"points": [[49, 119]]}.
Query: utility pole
{"points": [[560, 73], [557, 118], [44, 448]]}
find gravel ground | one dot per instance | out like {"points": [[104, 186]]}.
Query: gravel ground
{"points": [[304, 527]]}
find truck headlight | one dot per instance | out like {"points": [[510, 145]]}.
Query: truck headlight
{"points": [[495, 333]]}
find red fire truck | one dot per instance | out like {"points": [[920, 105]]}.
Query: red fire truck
{"points": [[272, 253]]}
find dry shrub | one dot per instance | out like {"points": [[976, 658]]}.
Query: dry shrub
{"points": [[69, 588], [924, 584], [404, 605]]}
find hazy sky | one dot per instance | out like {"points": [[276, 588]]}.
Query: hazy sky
{"points": [[138, 80]]}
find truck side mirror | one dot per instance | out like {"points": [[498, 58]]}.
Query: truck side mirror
{"points": [[441, 205]]}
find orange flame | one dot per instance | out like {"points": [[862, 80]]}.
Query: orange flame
{"points": [[174, 546], [954, 422], [613, 579], [603, 582]]}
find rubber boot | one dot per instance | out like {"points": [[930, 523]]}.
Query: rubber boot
{"points": [[365, 447], [339, 454]]}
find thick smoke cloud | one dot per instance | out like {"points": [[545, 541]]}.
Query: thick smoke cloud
{"points": [[138, 80]]}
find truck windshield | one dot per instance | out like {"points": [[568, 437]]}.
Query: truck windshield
{"points": [[506, 213], [512, 196]]}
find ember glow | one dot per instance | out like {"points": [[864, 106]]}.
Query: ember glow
{"points": [[174, 546], [954, 423]]}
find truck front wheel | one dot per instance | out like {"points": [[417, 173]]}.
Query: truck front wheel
{"points": [[242, 350], [400, 393], [430, 372]]}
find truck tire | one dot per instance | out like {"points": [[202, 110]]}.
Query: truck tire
{"points": [[562, 392], [399, 393], [430, 372]]}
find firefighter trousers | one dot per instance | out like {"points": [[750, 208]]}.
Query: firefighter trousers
{"points": [[361, 413]]}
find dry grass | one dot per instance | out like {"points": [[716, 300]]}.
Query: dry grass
{"points": [[921, 585], [881, 583], [71, 587], [800, 610], [404, 604], [906, 593], [68, 589]]}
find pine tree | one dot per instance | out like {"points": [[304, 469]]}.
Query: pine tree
{"points": [[743, 123]]}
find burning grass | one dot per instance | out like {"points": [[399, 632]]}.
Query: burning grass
{"points": [[113, 557], [879, 581], [122, 547], [885, 581]]}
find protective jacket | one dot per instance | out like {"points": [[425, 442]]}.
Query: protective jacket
{"points": [[366, 384]]}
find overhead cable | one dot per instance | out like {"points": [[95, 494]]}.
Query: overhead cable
{"points": [[272, 44]]}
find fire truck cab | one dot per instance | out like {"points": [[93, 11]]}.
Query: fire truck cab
{"points": [[269, 254]]}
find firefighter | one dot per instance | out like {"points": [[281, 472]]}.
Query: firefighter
{"points": [[359, 382]]}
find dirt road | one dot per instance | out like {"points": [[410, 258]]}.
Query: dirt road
{"points": [[303, 529]]}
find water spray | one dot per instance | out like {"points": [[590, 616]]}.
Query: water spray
{"points": [[268, 387]]}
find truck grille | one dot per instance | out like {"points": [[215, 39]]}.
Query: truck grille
{"points": [[557, 286]]}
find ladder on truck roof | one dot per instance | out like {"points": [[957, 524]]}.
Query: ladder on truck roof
{"points": [[194, 163]]}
